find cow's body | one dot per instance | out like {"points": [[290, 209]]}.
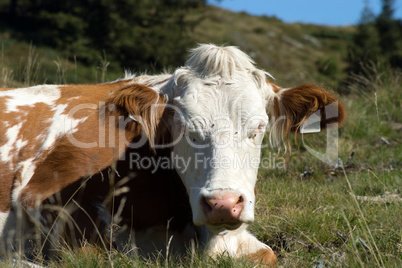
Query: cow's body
{"points": [[55, 135], [144, 201], [214, 111]]}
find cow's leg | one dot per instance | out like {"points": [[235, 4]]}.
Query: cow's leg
{"points": [[260, 253], [239, 243], [3, 221], [11, 224], [264, 256], [22, 233]]}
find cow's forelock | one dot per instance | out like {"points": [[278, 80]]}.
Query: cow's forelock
{"points": [[226, 62]]}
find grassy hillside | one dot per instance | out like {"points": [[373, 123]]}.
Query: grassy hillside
{"points": [[343, 214], [292, 53]]}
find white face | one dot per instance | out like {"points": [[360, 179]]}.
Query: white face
{"points": [[218, 129], [220, 102]]}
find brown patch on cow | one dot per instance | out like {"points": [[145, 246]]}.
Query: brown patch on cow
{"points": [[275, 88], [6, 174], [97, 141], [297, 104], [3, 101], [141, 104], [264, 257], [5, 190]]}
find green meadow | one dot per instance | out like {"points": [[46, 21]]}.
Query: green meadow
{"points": [[313, 213]]}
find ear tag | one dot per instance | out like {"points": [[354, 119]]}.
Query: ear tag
{"points": [[312, 125]]}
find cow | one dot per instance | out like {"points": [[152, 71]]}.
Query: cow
{"points": [[54, 135], [208, 119]]}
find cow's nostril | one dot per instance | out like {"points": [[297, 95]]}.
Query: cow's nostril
{"points": [[240, 200], [207, 207]]}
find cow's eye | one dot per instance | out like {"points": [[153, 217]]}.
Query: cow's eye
{"points": [[260, 129], [261, 126]]}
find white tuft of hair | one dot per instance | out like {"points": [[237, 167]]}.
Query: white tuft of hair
{"points": [[208, 60]]}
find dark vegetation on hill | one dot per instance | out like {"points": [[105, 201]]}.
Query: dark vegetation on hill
{"points": [[140, 34]]}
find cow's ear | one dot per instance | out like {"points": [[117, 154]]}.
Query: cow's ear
{"points": [[140, 105], [301, 108]]}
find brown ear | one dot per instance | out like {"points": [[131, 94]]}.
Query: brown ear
{"points": [[141, 104], [292, 107]]}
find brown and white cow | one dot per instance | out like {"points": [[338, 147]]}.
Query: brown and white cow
{"points": [[51, 136], [216, 109]]}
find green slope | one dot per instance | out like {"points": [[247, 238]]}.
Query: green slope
{"points": [[292, 53]]}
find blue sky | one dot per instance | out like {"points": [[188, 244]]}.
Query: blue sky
{"points": [[323, 12]]}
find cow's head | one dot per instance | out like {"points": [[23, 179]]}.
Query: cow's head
{"points": [[222, 106]]}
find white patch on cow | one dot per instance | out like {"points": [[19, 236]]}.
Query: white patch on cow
{"points": [[56, 128], [236, 243], [26, 169], [12, 134], [3, 220], [19, 144], [60, 124], [30, 96]]}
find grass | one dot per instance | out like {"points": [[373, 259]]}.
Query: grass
{"points": [[24, 64], [346, 214], [313, 213]]}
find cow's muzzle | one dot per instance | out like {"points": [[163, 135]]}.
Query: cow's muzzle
{"points": [[223, 209]]}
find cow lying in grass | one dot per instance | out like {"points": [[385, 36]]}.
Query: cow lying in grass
{"points": [[209, 118]]}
